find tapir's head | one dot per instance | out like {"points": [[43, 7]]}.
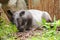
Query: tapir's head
{"points": [[47, 16], [18, 18]]}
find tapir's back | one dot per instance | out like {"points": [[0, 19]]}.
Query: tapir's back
{"points": [[37, 15]]}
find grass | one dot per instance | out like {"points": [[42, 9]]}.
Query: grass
{"points": [[7, 31], [49, 33]]}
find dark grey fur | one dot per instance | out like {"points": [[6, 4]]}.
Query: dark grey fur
{"points": [[22, 22]]}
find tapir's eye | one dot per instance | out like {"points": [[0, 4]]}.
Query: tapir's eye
{"points": [[22, 13]]}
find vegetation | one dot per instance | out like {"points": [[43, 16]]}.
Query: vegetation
{"points": [[48, 33], [7, 31]]}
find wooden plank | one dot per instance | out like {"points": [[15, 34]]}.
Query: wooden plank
{"points": [[35, 4], [29, 4], [45, 5], [56, 8], [40, 5], [59, 9], [51, 8]]}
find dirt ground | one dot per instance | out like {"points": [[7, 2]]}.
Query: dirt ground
{"points": [[26, 34]]}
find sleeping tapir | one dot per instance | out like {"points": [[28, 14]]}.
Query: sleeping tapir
{"points": [[25, 19]]}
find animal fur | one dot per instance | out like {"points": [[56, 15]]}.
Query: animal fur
{"points": [[25, 19]]}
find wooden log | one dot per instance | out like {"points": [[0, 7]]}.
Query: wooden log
{"points": [[4, 16], [4, 1]]}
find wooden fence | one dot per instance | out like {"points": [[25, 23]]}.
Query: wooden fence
{"points": [[51, 6]]}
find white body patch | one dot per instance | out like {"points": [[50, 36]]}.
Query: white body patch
{"points": [[37, 16]]}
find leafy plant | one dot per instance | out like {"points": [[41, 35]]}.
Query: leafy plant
{"points": [[50, 33], [7, 31], [49, 25]]}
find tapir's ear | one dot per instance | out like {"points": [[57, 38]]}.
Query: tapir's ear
{"points": [[9, 12], [22, 13], [11, 18]]}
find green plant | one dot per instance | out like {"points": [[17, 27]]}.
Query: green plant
{"points": [[7, 31], [53, 24], [50, 33]]}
